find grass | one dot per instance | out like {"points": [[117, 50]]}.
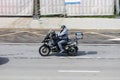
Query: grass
{"points": [[59, 15]]}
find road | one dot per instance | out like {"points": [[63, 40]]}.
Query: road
{"points": [[94, 62]]}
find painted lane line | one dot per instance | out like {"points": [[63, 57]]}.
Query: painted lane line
{"points": [[116, 39], [77, 71], [109, 36]]}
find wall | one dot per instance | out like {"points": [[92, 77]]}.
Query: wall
{"points": [[52, 7], [85, 8], [16, 7]]}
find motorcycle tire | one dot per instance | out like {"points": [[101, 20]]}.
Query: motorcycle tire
{"points": [[72, 51], [44, 50]]}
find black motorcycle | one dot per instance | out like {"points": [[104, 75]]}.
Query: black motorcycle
{"points": [[50, 44]]}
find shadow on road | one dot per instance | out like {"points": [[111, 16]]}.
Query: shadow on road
{"points": [[80, 53], [3, 60]]}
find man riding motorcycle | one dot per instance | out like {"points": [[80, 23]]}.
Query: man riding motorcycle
{"points": [[63, 35], [54, 42]]}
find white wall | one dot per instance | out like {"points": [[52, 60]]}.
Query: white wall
{"points": [[91, 7], [16, 7], [85, 8]]}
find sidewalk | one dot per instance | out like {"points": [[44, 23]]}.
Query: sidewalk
{"points": [[54, 23], [31, 31]]}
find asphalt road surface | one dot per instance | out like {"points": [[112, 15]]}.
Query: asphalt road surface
{"points": [[94, 62]]}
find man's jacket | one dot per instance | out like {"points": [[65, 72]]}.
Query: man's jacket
{"points": [[64, 34]]}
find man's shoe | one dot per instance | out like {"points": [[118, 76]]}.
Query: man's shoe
{"points": [[61, 51]]}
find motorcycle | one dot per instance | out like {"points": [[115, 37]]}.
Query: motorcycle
{"points": [[50, 44]]}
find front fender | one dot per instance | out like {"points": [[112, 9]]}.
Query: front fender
{"points": [[46, 45]]}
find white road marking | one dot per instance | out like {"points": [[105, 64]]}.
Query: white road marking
{"points": [[83, 57], [77, 71], [109, 36], [116, 39]]}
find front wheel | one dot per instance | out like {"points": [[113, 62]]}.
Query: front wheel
{"points": [[44, 50], [72, 51]]}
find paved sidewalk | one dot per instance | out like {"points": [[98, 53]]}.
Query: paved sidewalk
{"points": [[96, 30], [54, 23]]}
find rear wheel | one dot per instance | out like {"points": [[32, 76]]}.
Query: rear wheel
{"points": [[44, 50], [72, 51]]}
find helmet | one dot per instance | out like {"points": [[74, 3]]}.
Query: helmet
{"points": [[63, 26]]}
